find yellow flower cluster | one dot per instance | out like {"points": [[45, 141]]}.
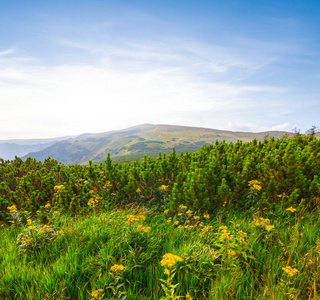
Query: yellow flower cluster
{"points": [[242, 234], [189, 226], [206, 216], [26, 240], [144, 229], [206, 229], [12, 209], [291, 209], [261, 222], [116, 268], [131, 218], [47, 205], [95, 294], [169, 260], [231, 253], [269, 227], [57, 188], [163, 187], [138, 190], [166, 211], [224, 233], [254, 185], [141, 217], [188, 296], [290, 271], [94, 200], [45, 229], [182, 207]]}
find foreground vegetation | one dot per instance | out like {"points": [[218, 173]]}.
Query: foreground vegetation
{"points": [[232, 221], [229, 255]]}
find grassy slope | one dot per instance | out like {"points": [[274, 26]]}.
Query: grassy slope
{"points": [[78, 261], [134, 143]]}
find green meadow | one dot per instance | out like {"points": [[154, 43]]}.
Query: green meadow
{"points": [[231, 221]]}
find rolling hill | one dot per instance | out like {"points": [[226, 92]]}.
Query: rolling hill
{"points": [[133, 143]]}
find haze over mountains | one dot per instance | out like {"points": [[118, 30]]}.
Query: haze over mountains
{"points": [[124, 145]]}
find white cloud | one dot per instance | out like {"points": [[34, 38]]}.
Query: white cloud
{"points": [[188, 85], [282, 127]]}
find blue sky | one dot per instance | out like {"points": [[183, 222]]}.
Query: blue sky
{"points": [[69, 67]]}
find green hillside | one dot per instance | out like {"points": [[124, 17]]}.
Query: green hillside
{"points": [[135, 142]]}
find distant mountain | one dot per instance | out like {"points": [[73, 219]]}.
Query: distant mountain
{"points": [[21, 147], [133, 143]]}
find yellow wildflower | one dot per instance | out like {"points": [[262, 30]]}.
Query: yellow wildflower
{"points": [[242, 233], [57, 188], [223, 228], [264, 220], [116, 268], [31, 227], [179, 214], [291, 209], [206, 216], [29, 221], [12, 209], [169, 260], [206, 228], [290, 271], [169, 220], [141, 217], [196, 217], [166, 211], [163, 187], [232, 253], [176, 222], [256, 222], [188, 296], [131, 218], [269, 227], [189, 212], [167, 272], [225, 235], [95, 294], [254, 185], [146, 229], [182, 207], [180, 226], [138, 190], [47, 205]]}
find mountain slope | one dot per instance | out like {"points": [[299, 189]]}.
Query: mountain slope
{"points": [[133, 143]]}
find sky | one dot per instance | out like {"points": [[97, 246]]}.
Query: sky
{"points": [[70, 67]]}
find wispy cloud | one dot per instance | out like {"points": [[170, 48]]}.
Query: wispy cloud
{"points": [[121, 80]]}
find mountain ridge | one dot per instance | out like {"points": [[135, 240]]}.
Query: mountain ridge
{"points": [[134, 142]]}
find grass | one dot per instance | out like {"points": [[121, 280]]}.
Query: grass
{"points": [[77, 261]]}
